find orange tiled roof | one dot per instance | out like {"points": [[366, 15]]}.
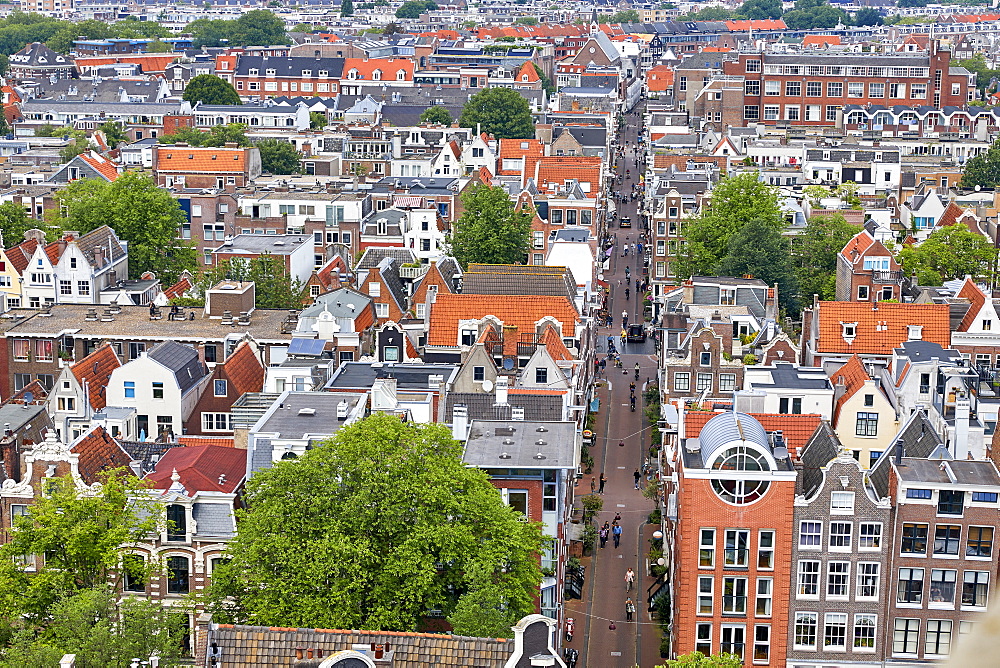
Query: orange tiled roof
{"points": [[554, 344], [150, 62], [853, 377], [202, 160], [716, 49], [797, 429], [244, 371], [519, 312], [389, 67], [527, 70], [95, 370], [552, 169], [20, 255], [859, 243], [179, 288], [54, 251], [220, 441], [99, 451], [950, 215], [659, 78], [976, 301], [820, 40], [976, 18], [511, 149], [880, 329], [102, 165], [201, 467], [411, 352], [38, 394]]}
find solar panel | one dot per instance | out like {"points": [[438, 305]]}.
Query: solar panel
{"points": [[306, 347]]}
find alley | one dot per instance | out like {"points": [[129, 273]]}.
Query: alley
{"points": [[620, 449]]}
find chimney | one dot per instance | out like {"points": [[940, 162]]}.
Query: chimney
{"points": [[963, 408], [459, 422], [68, 661], [501, 387], [899, 453]]}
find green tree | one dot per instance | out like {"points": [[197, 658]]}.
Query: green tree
{"points": [[210, 89], [260, 27], [274, 288], [736, 201], [814, 254], [501, 112], [710, 13], [953, 251], [391, 29], [984, 73], [386, 515], [758, 10], [77, 146], [911, 3], [436, 114], [412, 9], [622, 16], [983, 170], [547, 84], [317, 120], [217, 136], [114, 133], [868, 16], [278, 157], [809, 14], [102, 631], [758, 249], [159, 46], [14, 222], [699, 660], [4, 127], [138, 211], [526, 21], [490, 230], [347, 8]]}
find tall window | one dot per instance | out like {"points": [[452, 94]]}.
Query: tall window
{"points": [[129, 389], [980, 542], [864, 632], [703, 642], [765, 550], [943, 586], [904, 636], [950, 502], [914, 539], [737, 547], [838, 575], [810, 534], [734, 596], [938, 639], [868, 574], [910, 587], [157, 390], [975, 586], [947, 538], [840, 536], [176, 522], [178, 571], [835, 631], [765, 587], [733, 639], [706, 549], [805, 630], [706, 593], [808, 578], [133, 566], [761, 643]]}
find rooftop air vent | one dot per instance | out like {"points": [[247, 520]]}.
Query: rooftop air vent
{"points": [[540, 442], [539, 456], [504, 455], [307, 411]]}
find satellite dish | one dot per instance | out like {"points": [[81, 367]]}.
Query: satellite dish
{"points": [[508, 364], [28, 397], [487, 385]]}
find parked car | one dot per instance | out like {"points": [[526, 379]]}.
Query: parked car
{"points": [[636, 333]]}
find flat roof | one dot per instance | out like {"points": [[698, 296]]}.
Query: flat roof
{"points": [[276, 244], [288, 421], [787, 375], [514, 444], [408, 376], [133, 322]]}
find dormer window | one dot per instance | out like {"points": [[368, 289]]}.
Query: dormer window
{"points": [[253, 72], [307, 73], [377, 75], [324, 73], [353, 74], [849, 330], [401, 75], [914, 332], [468, 337]]}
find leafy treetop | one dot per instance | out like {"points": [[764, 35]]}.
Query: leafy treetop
{"points": [[501, 112], [210, 89], [490, 229]]}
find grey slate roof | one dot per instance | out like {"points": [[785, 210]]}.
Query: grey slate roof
{"points": [[982, 473], [490, 279], [213, 519], [146, 453], [817, 453], [182, 361], [508, 444], [290, 66], [102, 237], [919, 440], [373, 255], [362, 375]]}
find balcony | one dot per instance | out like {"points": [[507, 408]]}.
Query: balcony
{"points": [[887, 276], [413, 272]]}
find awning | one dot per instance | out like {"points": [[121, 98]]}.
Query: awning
{"points": [[407, 201], [595, 405]]}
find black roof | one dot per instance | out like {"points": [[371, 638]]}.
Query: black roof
{"points": [[290, 66], [182, 361], [481, 406], [918, 438]]}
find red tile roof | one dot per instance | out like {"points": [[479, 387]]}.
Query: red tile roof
{"points": [[201, 468], [529, 150], [38, 394], [179, 288], [101, 165], [820, 40], [244, 371], [516, 312], [756, 24], [856, 247], [554, 344], [173, 158], [527, 70], [556, 170], [54, 251], [796, 429], [880, 329], [220, 441], [20, 255], [149, 62], [950, 215], [98, 451], [853, 377], [389, 67], [94, 371], [976, 301]]}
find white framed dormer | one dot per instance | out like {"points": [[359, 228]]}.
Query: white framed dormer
{"points": [[849, 331]]}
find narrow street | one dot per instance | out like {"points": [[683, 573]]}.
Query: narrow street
{"points": [[604, 597]]}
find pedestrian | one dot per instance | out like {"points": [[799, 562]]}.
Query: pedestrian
{"points": [[603, 481], [629, 609], [593, 484], [618, 518], [604, 363], [616, 531], [637, 476], [629, 579], [603, 535]]}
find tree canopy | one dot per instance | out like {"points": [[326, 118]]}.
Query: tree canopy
{"points": [[217, 136], [735, 201], [278, 157], [436, 114], [953, 251], [114, 133], [490, 230], [210, 89], [273, 287], [710, 13], [347, 8], [814, 255], [257, 27], [371, 529], [14, 222], [757, 249], [501, 112], [759, 10], [868, 16], [809, 14], [412, 9], [699, 660], [983, 170], [984, 73], [621, 16], [140, 212]]}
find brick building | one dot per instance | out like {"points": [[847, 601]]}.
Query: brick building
{"points": [[810, 88], [867, 271], [731, 542], [225, 168]]}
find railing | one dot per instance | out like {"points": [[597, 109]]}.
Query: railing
{"points": [[886, 276]]}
